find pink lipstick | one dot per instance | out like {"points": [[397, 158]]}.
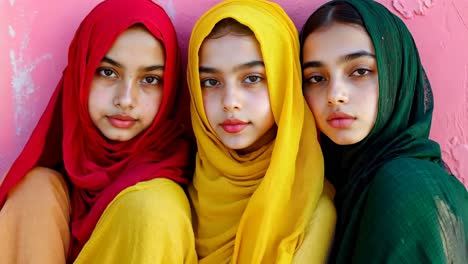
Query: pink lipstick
{"points": [[233, 125], [340, 120], [121, 121]]}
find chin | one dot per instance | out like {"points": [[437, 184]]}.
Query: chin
{"points": [[119, 138], [343, 141], [236, 145]]}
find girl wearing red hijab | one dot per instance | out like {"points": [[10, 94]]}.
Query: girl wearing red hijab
{"points": [[99, 178]]}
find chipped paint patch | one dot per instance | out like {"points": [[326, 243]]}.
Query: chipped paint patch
{"points": [[22, 82], [459, 152], [11, 31], [409, 8]]}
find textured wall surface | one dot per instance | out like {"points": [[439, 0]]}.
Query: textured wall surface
{"points": [[34, 39]]}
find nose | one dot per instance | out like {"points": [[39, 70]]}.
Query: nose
{"points": [[337, 93], [125, 98], [231, 97]]}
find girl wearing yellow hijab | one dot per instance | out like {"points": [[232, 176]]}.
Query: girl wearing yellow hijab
{"points": [[258, 193]]}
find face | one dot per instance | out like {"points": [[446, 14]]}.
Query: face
{"points": [[126, 89], [235, 90], [341, 83]]}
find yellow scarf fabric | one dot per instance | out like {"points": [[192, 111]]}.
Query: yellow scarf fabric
{"points": [[258, 207]]}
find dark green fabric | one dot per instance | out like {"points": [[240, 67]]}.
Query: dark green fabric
{"points": [[392, 188], [408, 215]]}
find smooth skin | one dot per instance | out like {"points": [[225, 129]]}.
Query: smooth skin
{"points": [[235, 91], [126, 90], [341, 83]]}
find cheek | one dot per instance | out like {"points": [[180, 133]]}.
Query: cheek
{"points": [[261, 100], [152, 103], [158, 102], [101, 93], [95, 101], [369, 100], [313, 100], [375, 104], [210, 106]]}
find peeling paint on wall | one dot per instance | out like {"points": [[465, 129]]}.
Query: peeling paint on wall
{"points": [[458, 153], [11, 31], [458, 146], [409, 8], [22, 82]]}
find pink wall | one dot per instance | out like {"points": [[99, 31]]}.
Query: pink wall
{"points": [[34, 38]]}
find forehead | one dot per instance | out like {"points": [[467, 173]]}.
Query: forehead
{"points": [[337, 39], [229, 50], [136, 42], [136, 36]]}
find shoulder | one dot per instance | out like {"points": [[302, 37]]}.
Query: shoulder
{"points": [[416, 208], [405, 176], [159, 199], [414, 187]]}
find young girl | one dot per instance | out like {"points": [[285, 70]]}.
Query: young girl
{"points": [[367, 89], [258, 192], [111, 133]]}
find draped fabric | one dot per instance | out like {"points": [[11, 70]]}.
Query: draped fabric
{"points": [[96, 168], [254, 208], [147, 223], [395, 201]]}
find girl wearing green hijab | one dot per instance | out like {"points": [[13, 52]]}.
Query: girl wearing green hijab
{"points": [[364, 82]]}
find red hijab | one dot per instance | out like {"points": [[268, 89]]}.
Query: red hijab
{"points": [[65, 137]]}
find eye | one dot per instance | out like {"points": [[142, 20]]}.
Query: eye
{"points": [[252, 79], [361, 72], [208, 83], [314, 79], [152, 80], [106, 72]]}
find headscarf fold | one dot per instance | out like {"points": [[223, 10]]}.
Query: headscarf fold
{"points": [[398, 138], [254, 208], [97, 169]]}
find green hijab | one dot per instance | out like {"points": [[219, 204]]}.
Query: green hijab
{"points": [[394, 180]]}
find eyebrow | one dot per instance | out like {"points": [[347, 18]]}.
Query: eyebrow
{"points": [[357, 55], [312, 64], [345, 58], [119, 65], [243, 66]]}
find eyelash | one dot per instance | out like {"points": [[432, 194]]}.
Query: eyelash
{"points": [[155, 78], [360, 72], [207, 83], [211, 82], [366, 72], [102, 71], [110, 73], [312, 79], [248, 80]]}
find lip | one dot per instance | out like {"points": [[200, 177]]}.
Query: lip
{"points": [[121, 121], [340, 120], [233, 125]]}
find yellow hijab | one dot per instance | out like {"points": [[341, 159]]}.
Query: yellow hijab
{"points": [[258, 207]]}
